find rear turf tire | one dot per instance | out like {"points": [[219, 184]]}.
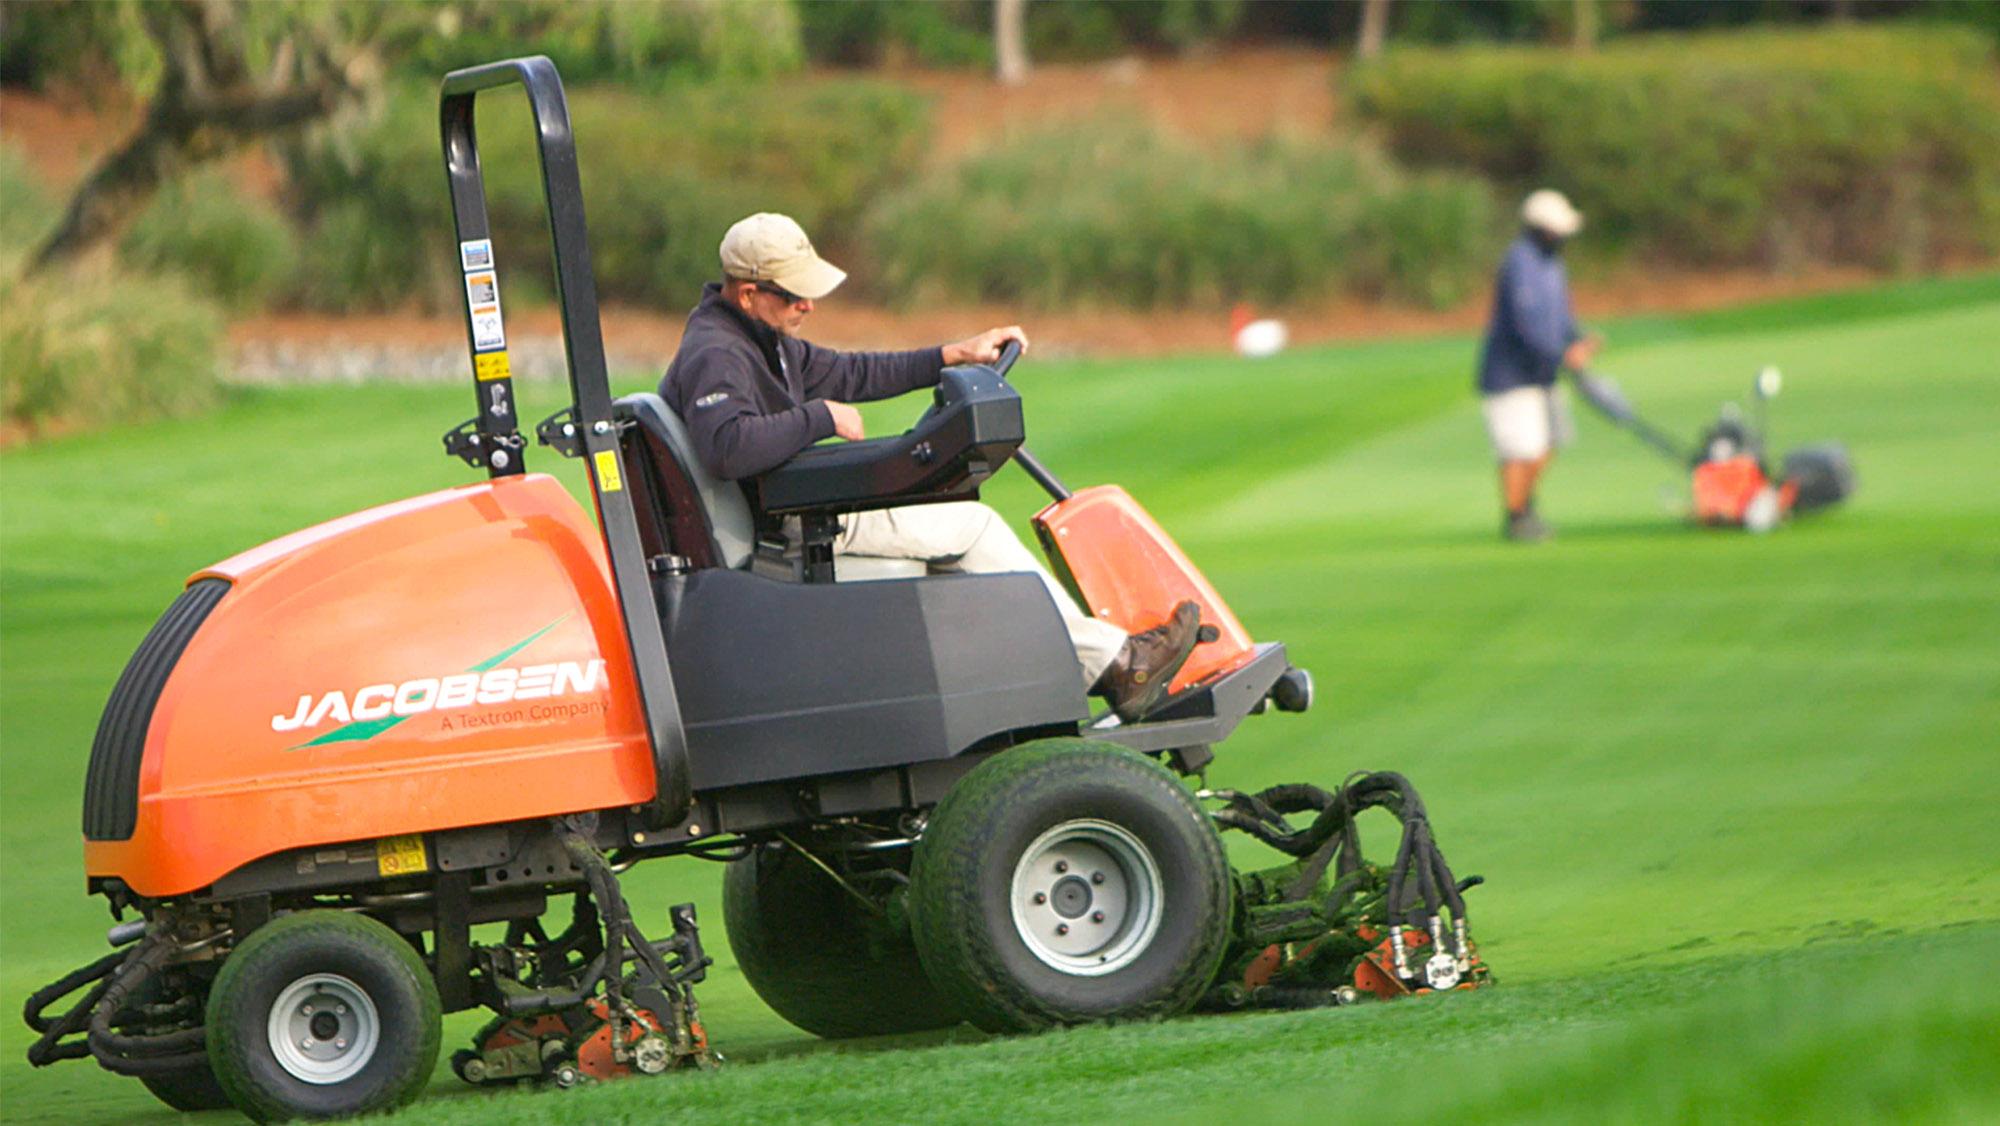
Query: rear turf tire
{"points": [[1090, 829], [369, 1043], [818, 957], [188, 1089]]}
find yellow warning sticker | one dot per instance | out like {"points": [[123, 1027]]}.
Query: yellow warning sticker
{"points": [[607, 471], [400, 856], [489, 366]]}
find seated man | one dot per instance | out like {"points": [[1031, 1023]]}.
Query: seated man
{"points": [[753, 394]]}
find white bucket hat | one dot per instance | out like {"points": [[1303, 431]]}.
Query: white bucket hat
{"points": [[1550, 210]]}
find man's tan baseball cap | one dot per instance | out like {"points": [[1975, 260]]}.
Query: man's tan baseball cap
{"points": [[1550, 210], [771, 247]]}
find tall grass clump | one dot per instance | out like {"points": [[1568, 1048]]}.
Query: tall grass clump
{"points": [[1871, 146], [233, 246], [26, 211], [1119, 214], [92, 344], [664, 174]]}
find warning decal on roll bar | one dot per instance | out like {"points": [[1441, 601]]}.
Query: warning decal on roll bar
{"points": [[482, 294]]}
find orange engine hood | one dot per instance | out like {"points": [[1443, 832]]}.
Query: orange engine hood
{"points": [[453, 659]]}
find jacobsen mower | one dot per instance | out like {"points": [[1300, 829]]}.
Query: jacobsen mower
{"points": [[1729, 476], [340, 753]]}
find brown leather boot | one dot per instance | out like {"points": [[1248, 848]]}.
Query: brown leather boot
{"points": [[1136, 680]]}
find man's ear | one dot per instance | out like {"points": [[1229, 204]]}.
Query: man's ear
{"points": [[739, 294]]}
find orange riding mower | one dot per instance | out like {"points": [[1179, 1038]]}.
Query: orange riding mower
{"points": [[1730, 478], [393, 765]]}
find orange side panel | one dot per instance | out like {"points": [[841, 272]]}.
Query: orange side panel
{"points": [[1132, 574], [453, 659]]}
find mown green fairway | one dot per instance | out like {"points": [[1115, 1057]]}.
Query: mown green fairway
{"points": [[1734, 796]]}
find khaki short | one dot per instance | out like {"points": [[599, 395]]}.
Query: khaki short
{"points": [[1527, 423]]}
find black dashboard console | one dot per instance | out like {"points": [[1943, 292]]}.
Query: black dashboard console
{"points": [[972, 427]]}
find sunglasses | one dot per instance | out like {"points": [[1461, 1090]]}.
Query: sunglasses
{"points": [[781, 293]]}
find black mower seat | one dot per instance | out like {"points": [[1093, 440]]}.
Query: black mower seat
{"points": [[723, 518], [708, 519]]}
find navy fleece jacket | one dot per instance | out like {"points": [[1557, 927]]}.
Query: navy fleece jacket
{"points": [[751, 398]]}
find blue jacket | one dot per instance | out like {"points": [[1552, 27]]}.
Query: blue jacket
{"points": [[1532, 323]]}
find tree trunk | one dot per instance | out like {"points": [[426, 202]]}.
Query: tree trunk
{"points": [[1010, 44], [1583, 31], [1374, 28]]}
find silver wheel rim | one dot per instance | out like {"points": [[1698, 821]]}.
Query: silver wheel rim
{"points": [[324, 1029], [1087, 898]]}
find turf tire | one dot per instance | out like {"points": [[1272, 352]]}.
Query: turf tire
{"points": [[820, 959], [963, 876], [189, 1089], [193, 1088], [281, 954]]}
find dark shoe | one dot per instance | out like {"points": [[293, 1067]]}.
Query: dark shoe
{"points": [[1525, 527], [1137, 680]]}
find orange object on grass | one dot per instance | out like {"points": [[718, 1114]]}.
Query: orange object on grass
{"points": [[1724, 489], [1129, 572], [452, 659]]}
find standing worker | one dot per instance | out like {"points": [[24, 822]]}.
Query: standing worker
{"points": [[1532, 336], [753, 394]]}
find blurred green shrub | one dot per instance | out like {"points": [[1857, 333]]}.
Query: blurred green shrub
{"points": [[638, 41], [95, 344], [894, 32], [960, 32], [664, 174], [232, 245], [26, 211], [1118, 215], [1876, 146]]}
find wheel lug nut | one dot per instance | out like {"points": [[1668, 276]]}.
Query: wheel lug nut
{"points": [[307, 1010], [1062, 928], [306, 1043], [340, 1043], [1040, 899], [1097, 916], [341, 1009], [1062, 866], [1097, 877]]}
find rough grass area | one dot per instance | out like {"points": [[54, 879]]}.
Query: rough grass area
{"points": [[1733, 795]]}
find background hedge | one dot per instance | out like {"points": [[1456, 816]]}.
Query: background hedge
{"points": [[1115, 214], [1876, 146], [664, 174]]}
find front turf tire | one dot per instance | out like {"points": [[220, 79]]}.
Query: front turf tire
{"points": [[322, 1014], [1092, 830]]}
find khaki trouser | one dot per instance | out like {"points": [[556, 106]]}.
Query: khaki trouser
{"points": [[968, 537]]}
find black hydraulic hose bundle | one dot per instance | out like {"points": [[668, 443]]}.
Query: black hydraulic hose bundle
{"points": [[106, 1012], [618, 928], [50, 1046], [1420, 884]]}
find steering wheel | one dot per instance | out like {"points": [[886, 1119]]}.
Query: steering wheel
{"points": [[1009, 352]]}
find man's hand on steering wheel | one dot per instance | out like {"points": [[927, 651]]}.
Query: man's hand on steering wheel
{"points": [[984, 348]]}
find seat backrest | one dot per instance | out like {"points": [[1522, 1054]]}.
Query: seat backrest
{"points": [[724, 515]]}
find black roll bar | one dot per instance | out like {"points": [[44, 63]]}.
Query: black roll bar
{"points": [[590, 387]]}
